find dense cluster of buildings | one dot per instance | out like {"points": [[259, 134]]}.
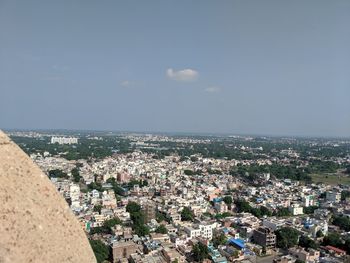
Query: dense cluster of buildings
{"points": [[163, 190]]}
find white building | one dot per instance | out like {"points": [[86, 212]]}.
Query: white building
{"points": [[206, 231], [192, 232], [309, 200], [295, 209], [64, 140], [322, 226], [202, 230], [74, 194]]}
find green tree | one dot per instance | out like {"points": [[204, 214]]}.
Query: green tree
{"points": [[219, 240], [345, 194], [186, 214], [200, 252], [307, 242], [100, 230], [343, 222], [160, 217], [347, 245], [319, 233], [243, 206], [132, 207], [141, 230], [101, 250], [286, 237], [161, 229], [95, 186], [57, 173], [76, 175], [97, 208], [188, 172], [138, 219], [112, 222], [265, 211], [194, 159], [309, 210], [118, 190], [282, 212], [228, 200], [333, 239]]}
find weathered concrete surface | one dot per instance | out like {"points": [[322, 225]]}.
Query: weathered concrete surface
{"points": [[36, 224]]}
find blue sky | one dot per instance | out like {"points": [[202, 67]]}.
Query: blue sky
{"points": [[247, 67]]}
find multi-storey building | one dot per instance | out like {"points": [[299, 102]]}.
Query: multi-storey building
{"points": [[150, 211], [264, 237], [64, 140], [74, 194], [334, 197]]}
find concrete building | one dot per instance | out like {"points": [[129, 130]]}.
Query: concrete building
{"points": [[221, 207], [171, 255], [334, 197], [296, 209], [64, 140], [206, 231], [273, 223], [175, 217], [192, 232], [123, 250], [202, 230], [150, 211], [108, 199], [303, 255], [264, 237], [123, 177], [309, 200], [74, 194]]}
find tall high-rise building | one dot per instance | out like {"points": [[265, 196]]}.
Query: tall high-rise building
{"points": [[150, 211]]}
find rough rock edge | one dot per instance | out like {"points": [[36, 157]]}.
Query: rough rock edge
{"points": [[36, 224]]}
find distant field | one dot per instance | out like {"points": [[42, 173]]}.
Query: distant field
{"points": [[331, 178]]}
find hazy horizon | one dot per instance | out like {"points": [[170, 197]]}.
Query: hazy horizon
{"points": [[270, 68], [173, 133]]}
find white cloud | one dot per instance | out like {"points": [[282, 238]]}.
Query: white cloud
{"points": [[213, 89], [125, 83], [182, 75]]}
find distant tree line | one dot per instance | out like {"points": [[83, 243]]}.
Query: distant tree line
{"points": [[280, 171], [84, 149]]}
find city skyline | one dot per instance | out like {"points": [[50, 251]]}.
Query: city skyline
{"points": [[233, 67]]}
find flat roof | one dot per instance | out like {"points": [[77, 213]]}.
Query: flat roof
{"points": [[238, 242]]}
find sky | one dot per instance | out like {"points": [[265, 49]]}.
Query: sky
{"points": [[235, 67]]}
